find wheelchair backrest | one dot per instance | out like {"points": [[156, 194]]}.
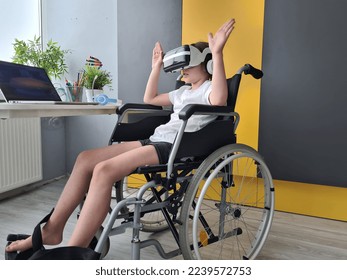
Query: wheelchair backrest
{"points": [[140, 125], [233, 84], [233, 89], [214, 135]]}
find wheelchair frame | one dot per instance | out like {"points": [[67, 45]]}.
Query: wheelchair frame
{"points": [[183, 206]]}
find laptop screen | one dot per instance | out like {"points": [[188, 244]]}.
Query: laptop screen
{"points": [[21, 82]]}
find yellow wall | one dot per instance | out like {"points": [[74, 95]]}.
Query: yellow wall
{"points": [[245, 46], [313, 200]]}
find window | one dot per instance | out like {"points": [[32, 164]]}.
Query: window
{"points": [[19, 19]]}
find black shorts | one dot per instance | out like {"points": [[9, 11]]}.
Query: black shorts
{"points": [[163, 149]]}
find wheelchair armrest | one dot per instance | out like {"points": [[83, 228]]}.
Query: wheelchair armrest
{"points": [[138, 121], [200, 109], [136, 106]]}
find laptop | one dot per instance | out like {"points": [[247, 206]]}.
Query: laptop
{"points": [[28, 84]]}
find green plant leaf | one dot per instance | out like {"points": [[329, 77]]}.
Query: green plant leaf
{"points": [[103, 79], [51, 58]]}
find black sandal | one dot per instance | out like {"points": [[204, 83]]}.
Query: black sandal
{"points": [[18, 255], [38, 251]]}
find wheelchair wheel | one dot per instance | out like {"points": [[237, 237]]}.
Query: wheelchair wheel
{"points": [[128, 187], [228, 208]]}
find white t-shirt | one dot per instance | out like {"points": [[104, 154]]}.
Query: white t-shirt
{"points": [[180, 98]]}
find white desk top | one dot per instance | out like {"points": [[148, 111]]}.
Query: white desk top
{"points": [[53, 110]]}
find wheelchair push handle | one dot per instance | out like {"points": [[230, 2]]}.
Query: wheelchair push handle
{"points": [[249, 69]]}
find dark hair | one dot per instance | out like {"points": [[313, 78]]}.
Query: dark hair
{"points": [[201, 46]]}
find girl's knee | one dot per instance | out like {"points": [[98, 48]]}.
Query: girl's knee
{"points": [[85, 161], [103, 171], [84, 156]]}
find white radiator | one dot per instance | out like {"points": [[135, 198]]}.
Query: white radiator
{"points": [[20, 153]]}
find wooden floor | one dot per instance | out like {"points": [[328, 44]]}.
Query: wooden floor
{"points": [[292, 237]]}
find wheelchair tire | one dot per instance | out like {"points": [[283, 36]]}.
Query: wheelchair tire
{"points": [[227, 215], [128, 187]]}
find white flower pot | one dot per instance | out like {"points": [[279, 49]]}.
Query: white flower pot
{"points": [[91, 93]]}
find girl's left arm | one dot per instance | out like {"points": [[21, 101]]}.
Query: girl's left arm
{"points": [[219, 94]]}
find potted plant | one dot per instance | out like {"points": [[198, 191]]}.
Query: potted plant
{"points": [[103, 78], [94, 80], [51, 58]]}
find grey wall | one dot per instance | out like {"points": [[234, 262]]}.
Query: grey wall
{"points": [[122, 34], [140, 25], [86, 28], [303, 123], [53, 147]]}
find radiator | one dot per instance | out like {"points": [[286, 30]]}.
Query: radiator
{"points": [[20, 153]]}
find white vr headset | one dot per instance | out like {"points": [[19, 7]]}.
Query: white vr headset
{"points": [[185, 57]]}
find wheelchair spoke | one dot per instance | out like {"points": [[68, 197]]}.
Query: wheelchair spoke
{"points": [[153, 221]]}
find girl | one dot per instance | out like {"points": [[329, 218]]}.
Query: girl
{"points": [[96, 170]]}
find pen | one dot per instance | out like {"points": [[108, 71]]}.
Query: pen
{"points": [[94, 58], [94, 65], [80, 80], [93, 61], [67, 83]]}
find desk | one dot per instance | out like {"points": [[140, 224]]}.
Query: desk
{"points": [[53, 110]]}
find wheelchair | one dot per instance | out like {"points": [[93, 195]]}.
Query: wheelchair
{"points": [[214, 195]]}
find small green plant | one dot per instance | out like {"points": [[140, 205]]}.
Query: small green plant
{"points": [[51, 58], [103, 77]]}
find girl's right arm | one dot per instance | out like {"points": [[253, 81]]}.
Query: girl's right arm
{"points": [[151, 93]]}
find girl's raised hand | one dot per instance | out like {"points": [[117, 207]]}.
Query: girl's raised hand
{"points": [[157, 57], [218, 41]]}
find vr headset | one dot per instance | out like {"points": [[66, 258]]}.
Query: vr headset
{"points": [[185, 57]]}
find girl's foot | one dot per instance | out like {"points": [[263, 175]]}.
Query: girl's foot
{"points": [[25, 244], [19, 245]]}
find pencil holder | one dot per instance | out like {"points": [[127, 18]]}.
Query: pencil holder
{"points": [[75, 92]]}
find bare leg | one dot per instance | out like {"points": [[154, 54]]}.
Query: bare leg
{"points": [[73, 193], [97, 203]]}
